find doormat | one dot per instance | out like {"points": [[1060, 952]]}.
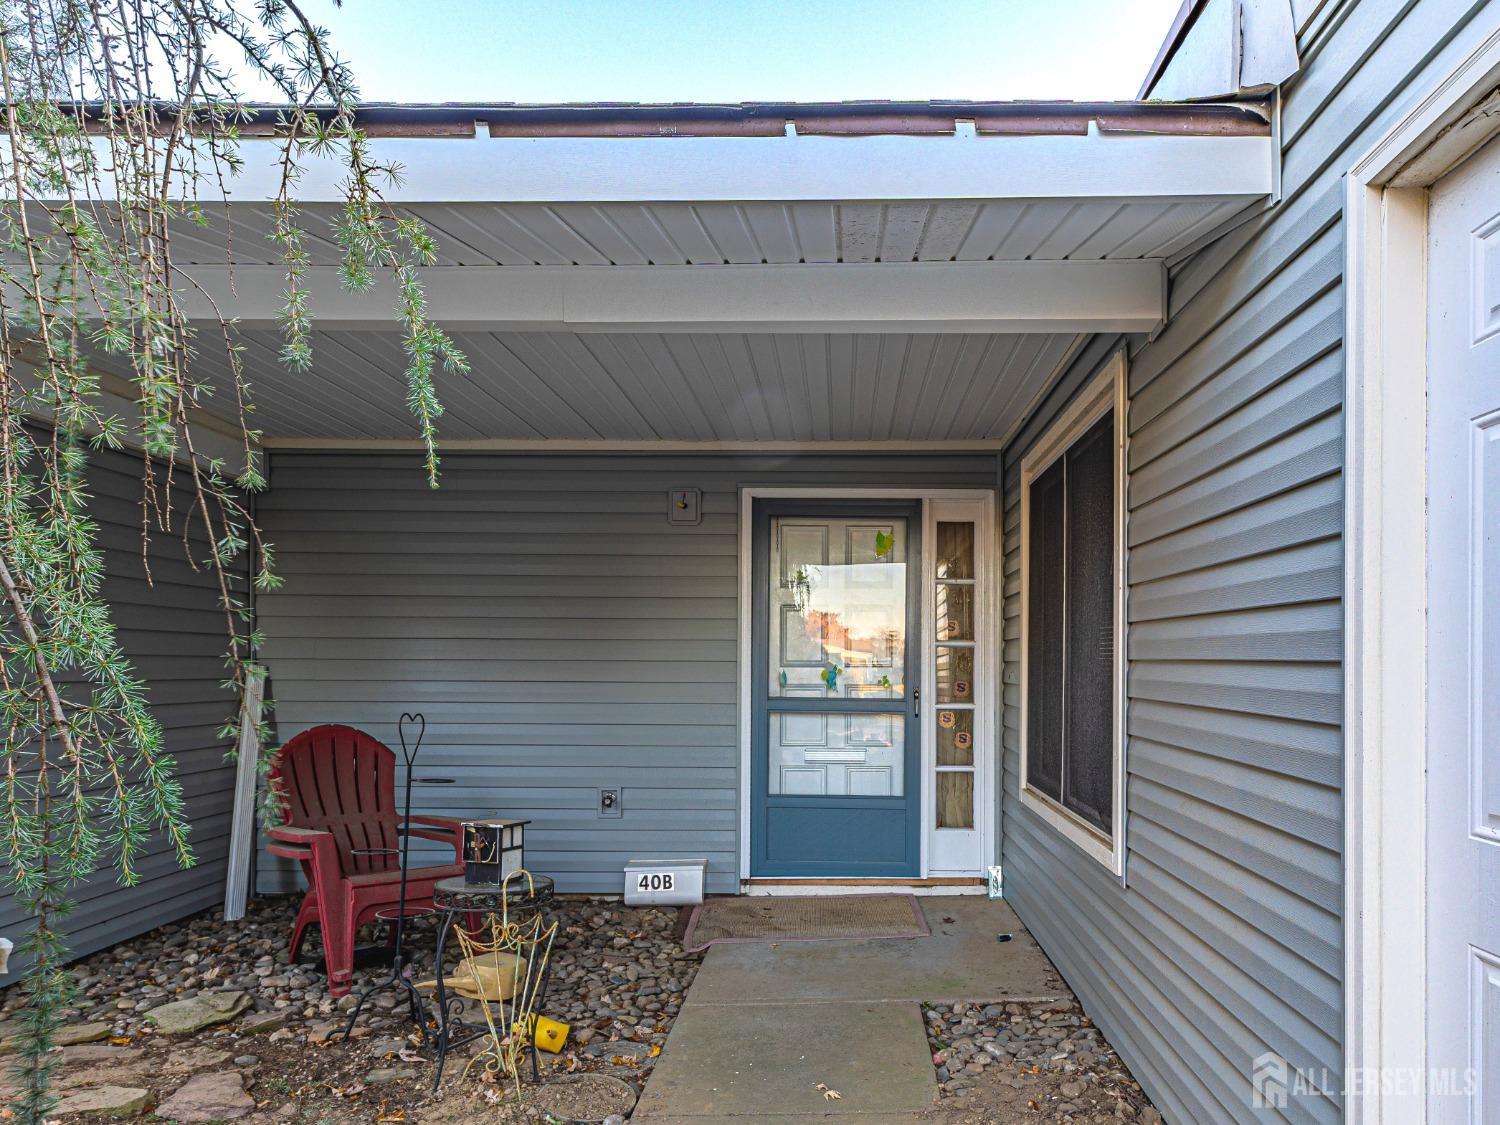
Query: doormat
{"points": [[804, 918]]}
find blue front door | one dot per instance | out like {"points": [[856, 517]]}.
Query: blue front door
{"points": [[835, 777]]}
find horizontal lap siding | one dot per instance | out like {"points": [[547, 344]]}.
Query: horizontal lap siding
{"points": [[557, 633], [173, 632], [1227, 941]]}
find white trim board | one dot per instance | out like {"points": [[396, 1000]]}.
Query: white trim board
{"points": [[1385, 653], [614, 445], [749, 169], [1110, 295], [820, 888], [1105, 391], [986, 690]]}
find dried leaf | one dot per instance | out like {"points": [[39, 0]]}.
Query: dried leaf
{"points": [[390, 1115], [655, 1050], [406, 1054], [119, 1040], [829, 1095]]}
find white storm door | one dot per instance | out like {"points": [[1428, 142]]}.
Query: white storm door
{"points": [[1463, 644]]}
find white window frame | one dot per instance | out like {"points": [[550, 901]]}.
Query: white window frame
{"points": [[1105, 392]]}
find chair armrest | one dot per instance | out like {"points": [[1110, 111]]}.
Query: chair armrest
{"points": [[291, 842]]}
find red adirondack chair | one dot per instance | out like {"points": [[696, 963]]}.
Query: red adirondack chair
{"points": [[339, 790]]}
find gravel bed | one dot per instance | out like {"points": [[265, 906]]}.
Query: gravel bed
{"points": [[618, 979], [1028, 1062]]}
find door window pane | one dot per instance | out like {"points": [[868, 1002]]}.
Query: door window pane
{"points": [[838, 608], [955, 549], [955, 674], [955, 612], [829, 754], [955, 737], [955, 799]]}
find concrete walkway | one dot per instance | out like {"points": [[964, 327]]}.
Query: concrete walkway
{"points": [[764, 1025]]}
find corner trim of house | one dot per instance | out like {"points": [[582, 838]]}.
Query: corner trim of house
{"points": [[1384, 580]]}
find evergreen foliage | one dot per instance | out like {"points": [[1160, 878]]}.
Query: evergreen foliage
{"points": [[124, 123]]}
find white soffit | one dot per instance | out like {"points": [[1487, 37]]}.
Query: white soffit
{"points": [[774, 232]]}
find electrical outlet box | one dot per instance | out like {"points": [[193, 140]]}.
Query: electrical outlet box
{"points": [[685, 506], [610, 803]]}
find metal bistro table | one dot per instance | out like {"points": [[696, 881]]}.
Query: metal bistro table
{"points": [[455, 897]]}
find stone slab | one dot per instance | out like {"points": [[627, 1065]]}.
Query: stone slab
{"points": [[106, 1101], [68, 1035], [962, 960], [181, 1017], [755, 1059], [208, 1097]]}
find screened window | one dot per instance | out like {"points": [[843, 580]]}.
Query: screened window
{"points": [[1070, 627]]}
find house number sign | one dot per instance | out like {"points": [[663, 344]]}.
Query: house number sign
{"points": [[664, 882], [655, 881]]}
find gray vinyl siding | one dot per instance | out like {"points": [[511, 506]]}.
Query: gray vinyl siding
{"points": [[558, 634], [173, 632], [1227, 939]]}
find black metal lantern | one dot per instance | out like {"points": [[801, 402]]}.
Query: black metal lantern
{"points": [[494, 850]]}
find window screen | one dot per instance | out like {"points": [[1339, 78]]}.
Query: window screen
{"points": [[1071, 627]]}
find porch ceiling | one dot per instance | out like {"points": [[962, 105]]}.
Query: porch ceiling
{"points": [[699, 388]]}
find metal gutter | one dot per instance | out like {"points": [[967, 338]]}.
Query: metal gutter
{"points": [[1230, 117]]}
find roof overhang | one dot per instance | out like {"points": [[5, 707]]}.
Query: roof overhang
{"points": [[965, 163], [704, 275], [560, 176]]}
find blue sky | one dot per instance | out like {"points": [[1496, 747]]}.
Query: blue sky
{"points": [[716, 50]]}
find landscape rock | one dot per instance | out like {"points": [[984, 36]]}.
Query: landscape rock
{"points": [[106, 1101], [124, 1074], [257, 1022], [104, 1053], [383, 1074], [185, 1061], [209, 1097], [181, 1017]]}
